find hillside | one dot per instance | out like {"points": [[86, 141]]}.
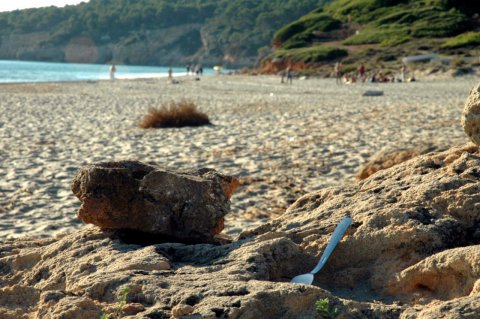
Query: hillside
{"points": [[149, 32], [376, 32]]}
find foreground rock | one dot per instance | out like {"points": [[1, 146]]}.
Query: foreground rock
{"points": [[413, 251], [131, 195], [471, 115]]}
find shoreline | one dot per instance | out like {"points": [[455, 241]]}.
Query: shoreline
{"points": [[428, 78], [130, 78], [14, 71]]}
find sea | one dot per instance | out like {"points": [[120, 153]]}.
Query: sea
{"points": [[24, 71]]}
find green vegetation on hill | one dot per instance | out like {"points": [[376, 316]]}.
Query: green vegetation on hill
{"points": [[313, 54], [348, 24], [463, 40], [296, 34], [227, 27], [247, 25], [407, 21]]}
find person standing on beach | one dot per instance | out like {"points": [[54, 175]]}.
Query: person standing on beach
{"points": [[361, 72], [338, 72], [112, 71], [170, 74], [282, 75], [403, 71], [289, 76]]}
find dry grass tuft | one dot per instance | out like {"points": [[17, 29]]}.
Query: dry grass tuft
{"points": [[175, 114]]}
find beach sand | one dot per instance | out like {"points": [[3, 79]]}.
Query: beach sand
{"points": [[281, 141]]}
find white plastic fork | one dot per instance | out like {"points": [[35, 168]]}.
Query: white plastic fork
{"points": [[307, 279]]}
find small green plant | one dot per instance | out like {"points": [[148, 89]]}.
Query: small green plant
{"points": [[119, 308], [122, 302], [323, 308]]}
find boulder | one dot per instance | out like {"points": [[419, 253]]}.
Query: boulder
{"points": [[388, 158], [129, 195], [471, 115], [412, 252]]}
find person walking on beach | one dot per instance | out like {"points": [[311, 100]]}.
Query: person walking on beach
{"points": [[112, 71], [337, 69], [170, 74], [289, 76], [403, 71], [361, 73], [197, 69], [282, 75]]}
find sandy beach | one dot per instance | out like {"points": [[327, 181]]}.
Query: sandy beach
{"points": [[281, 141]]}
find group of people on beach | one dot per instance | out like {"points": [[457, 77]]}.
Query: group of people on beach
{"points": [[197, 70], [362, 76], [194, 69]]}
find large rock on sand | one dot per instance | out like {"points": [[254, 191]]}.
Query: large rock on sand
{"points": [[413, 251], [134, 196]]}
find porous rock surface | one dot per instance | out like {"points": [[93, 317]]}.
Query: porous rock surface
{"points": [[471, 115], [412, 252], [388, 158], [135, 196]]}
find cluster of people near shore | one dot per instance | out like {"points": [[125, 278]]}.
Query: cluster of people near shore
{"points": [[191, 69], [194, 69], [362, 76]]}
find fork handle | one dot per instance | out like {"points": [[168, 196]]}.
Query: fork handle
{"points": [[334, 240]]}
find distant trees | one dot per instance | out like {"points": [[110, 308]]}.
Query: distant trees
{"points": [[242, 26], [245, 26]]}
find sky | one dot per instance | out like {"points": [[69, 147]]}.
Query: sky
{"points": [[10, 5]]}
